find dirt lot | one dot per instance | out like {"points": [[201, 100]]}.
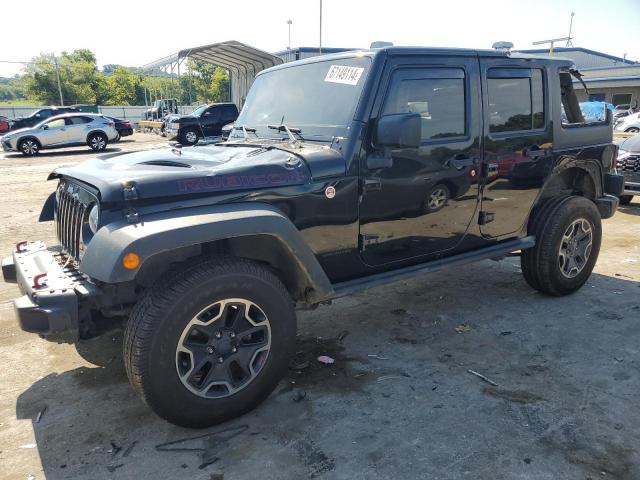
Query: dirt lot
{"points": [[399, 401]]}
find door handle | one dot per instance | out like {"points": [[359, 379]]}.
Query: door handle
{"points": [[463, 162], [372, 184]]}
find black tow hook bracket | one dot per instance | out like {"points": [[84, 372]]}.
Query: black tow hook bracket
{"points": [[130, 192]]}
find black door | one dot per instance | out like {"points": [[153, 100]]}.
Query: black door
{"points": [[517, 142], [211, 121], [422, 202]]}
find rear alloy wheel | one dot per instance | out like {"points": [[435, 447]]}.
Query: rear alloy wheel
{"points": [[190, 137], [210, 341], [568, 234], [98, 142], [437, 198], [29, 147]]}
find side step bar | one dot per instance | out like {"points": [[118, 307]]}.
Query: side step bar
{"points": [[352, 286]]}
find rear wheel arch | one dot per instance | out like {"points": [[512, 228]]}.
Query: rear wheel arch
{"points": [[585, 182]]}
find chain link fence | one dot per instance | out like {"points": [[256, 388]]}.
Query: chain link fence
{"points": [[125, 112]]}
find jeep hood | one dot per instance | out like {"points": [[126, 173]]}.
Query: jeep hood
{"points": [[204, 169]]}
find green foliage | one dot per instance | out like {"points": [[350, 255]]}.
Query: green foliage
{"points": [[83, 83], [11, 90]]}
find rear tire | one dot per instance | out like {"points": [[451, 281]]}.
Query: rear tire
{"points": [[568, 234], [97, 141], [172, 351], [625, 199], [29, 147]]}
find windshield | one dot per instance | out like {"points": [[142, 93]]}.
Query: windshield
{"points": [[319, 98], [198, 111]]}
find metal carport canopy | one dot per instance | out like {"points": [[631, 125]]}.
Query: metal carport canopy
{"points": [[242, 61]]}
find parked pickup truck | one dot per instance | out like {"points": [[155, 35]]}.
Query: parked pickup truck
{"points": [[342, 172], [204, 121]]}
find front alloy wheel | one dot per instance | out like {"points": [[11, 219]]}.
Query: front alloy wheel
{"points": [[575, 248], [437, 198], [223, 348], [29, 147]]}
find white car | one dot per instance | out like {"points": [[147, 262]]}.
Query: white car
{"points": [[629, 124], [69, 130]]}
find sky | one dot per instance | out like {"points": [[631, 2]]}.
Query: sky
{"points": [[141, 31]]}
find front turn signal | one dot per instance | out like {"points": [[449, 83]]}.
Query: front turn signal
{"points": [[131, 261]]}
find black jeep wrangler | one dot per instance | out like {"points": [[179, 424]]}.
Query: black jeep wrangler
{"points": [[343, 172]]}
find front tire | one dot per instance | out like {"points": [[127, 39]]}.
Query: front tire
{"points": [[210, 342], [29, 147], [568, 234], [97, 141], [632, 130], [437, 198], [189, 137]]}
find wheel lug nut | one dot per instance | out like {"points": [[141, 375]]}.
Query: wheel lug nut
{"points": [[234, 349], [232, 334], [220, 360], [218, 335], [209, 350]]}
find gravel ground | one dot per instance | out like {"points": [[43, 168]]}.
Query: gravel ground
{"points": [[399, 401]]}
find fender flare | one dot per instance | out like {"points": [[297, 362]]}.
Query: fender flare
{"points": [[167, 231], [591, 167]]}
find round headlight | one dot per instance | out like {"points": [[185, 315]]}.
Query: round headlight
{"points": [[93, 218]]}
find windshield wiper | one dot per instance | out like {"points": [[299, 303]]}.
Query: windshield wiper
{"points": [[290, 131], [245, 130]]}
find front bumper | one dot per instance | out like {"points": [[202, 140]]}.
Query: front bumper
{"points": [[53, 309], [6, 146]]}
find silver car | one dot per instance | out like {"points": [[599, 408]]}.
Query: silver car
{"points": [[69, 130]]}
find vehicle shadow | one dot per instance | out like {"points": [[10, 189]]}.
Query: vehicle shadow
{"points": [[89, 423], [58, 153], [630, 209]]}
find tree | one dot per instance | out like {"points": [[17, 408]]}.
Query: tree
{"points": [[80, 80], [209, 83]]}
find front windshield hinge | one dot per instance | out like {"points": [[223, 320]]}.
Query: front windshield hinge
{"points": [[293, 141]]}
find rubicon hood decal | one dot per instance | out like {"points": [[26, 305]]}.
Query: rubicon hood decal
{"points": [[170, 172]]}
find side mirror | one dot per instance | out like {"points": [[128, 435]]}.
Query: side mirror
{"points": [[401, 130], [45, 127]]}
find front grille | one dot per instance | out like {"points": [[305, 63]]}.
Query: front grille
{"points": [[629, 164], [70, 214]]}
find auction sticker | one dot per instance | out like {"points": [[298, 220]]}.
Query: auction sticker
{"points": [[344, 74]]}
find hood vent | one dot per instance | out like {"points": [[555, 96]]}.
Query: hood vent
{"points": [[166, 163]]}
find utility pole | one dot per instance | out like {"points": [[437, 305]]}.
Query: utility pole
{"points": [[55, 61], [569, 42], [289, 22], [320, 27]]}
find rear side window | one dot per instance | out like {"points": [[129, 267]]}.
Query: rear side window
{"points": [[516, 100], [440, 101], [80, 120]]}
